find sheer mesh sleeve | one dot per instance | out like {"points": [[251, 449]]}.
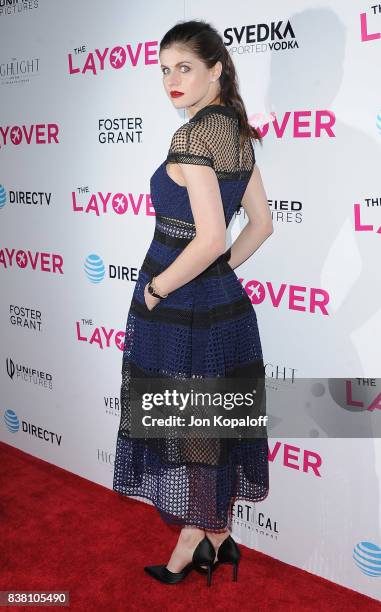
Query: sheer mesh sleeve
{"points": [[189, 146], [212, 138]]}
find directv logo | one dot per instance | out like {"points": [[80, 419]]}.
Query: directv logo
{"points": [[367, 557], [94, 268], [11, 421], [13, 425], [3, 197]]}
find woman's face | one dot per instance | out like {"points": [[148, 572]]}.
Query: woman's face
{"points": [[183, 72]]}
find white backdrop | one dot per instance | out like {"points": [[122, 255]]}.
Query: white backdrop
{"points": [[84, 124]]}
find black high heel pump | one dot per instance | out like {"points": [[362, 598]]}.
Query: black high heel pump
{"points": [[228, 552], [203, 554]]}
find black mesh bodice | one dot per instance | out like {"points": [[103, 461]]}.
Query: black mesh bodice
{"points": [[211, 138]]}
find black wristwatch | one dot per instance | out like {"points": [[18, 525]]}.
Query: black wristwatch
{"points": [[151, 289]]}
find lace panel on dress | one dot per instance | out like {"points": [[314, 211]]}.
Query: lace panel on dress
{"points": [[213, 140]]}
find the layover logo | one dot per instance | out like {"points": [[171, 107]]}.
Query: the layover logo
{"points": [[294, 297], [98, 203], [119, 57], [304, 123], [363, 214], [99, 336], [369, 27], [356, 394], [34, 134], [35, 261]]}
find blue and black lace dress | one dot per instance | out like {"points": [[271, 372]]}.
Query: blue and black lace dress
{"points": [[205, 328]]}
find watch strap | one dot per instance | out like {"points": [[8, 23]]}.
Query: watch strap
{"points": [[151, 290]]}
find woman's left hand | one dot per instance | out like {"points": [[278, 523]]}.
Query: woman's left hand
{"points": [[149, 299]]}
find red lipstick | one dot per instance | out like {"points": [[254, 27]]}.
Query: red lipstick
{"points": [[176, 94]]}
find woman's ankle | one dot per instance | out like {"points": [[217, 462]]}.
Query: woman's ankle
{"points": [[191, 534], [217, 536]]}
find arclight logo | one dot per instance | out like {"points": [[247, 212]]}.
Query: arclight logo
{"points": [[94, 268], [11, 420], [3, 197], [367, 557]]}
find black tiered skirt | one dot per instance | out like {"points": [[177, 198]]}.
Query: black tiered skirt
{"points": [[206, 329]]}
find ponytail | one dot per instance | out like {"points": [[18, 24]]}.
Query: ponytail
{"points": [[205, 42]]}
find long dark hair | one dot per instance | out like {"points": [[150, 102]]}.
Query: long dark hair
{"points": [[205, 42]]}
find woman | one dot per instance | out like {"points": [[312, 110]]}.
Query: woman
{"points": [[190, 317]]}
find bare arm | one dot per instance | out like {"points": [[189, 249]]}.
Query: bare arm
{"points": [[209, 242], [259, 227]]}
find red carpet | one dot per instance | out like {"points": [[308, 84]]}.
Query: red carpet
{"points": [[61, 531]]}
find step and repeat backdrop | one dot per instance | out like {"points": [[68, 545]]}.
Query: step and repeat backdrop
{"points": [[84, 123]]}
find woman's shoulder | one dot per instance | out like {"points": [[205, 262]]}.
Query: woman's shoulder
{"points": [[209, 126], [190, 144], [211, 137], [190, 130], [209, 118]]}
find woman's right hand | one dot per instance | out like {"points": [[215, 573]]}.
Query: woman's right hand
{"points": [[150, 300]]}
